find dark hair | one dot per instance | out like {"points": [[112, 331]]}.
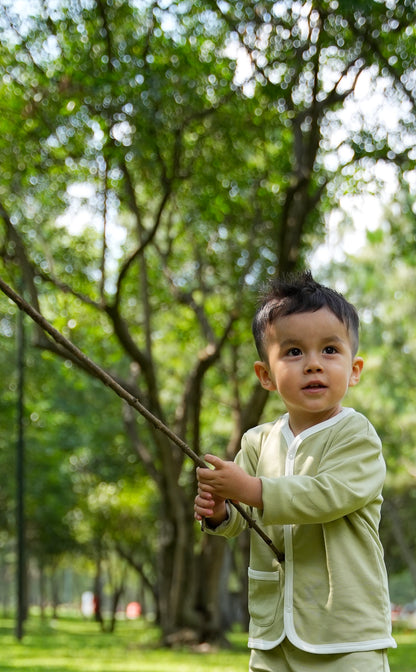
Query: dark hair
{"points": [[300, 293]]}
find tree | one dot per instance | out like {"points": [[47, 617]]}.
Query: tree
{"points": [[215, 180]]}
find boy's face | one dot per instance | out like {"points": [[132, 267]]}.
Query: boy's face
{"points": [[310, 364]]}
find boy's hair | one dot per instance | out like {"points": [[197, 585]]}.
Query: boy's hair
{"points": [[301, 294]]}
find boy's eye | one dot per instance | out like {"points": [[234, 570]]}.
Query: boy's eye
{"points": [[330, 350], [294, 352]]}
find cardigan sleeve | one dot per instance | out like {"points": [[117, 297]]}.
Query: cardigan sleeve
{"points": [[350, 475]]}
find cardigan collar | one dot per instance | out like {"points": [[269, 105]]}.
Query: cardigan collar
{"points": [[290, 437]]}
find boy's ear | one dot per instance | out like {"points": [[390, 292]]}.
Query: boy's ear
{"points": [[263, 374], [357, 367]]}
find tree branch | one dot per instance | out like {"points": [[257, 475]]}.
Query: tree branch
{"points": [[110, 382], [191, 402]]}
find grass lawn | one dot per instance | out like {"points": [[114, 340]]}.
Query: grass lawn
{"points": [[73, 645]]}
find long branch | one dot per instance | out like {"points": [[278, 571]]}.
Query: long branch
{"points": [[105, 378]]}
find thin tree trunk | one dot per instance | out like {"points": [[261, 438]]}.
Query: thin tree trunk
{"points": [[407, 554]]}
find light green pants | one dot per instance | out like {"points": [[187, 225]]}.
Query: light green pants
{"points": [[287, 658]]}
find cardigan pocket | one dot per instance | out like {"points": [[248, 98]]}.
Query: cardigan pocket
{"points": [[263, 596]]}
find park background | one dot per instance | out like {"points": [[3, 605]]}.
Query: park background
{"points": [[160, 160]]}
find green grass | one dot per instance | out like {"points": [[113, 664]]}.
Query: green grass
{"points": [[403, 659], [73, 645]]}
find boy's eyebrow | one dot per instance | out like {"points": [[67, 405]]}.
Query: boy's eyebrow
{"points": [[290, 341], [335, 338]]}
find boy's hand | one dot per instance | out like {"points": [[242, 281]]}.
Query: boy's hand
{"points": [[226, 481], [207, 506]]}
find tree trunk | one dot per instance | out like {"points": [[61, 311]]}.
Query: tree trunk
{"points": [[98, 616], [54, 592], [117, 593], [212, 573], [400, 538], [175, 570], [42, 589]]}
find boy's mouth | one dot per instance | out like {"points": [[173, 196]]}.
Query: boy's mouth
{"points": [[314, 386]]}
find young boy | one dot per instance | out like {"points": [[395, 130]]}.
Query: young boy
{"points": [[312, 480]]}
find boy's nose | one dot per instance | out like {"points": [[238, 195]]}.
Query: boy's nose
{"points": [[313, 364]]}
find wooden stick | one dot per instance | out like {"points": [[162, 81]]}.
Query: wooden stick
{"points": [[109, 381]]}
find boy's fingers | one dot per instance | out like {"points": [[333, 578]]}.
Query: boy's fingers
{"points": [[202, 472], [214, 460], [204, 491], [205, 478], [202, 507]]}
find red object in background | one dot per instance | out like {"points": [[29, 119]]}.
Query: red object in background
{"points": [[133, 610]]}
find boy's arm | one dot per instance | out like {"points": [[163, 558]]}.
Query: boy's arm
{"points": [[349, 477]]}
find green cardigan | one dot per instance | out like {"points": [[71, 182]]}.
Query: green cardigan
{"points": [[321, 506]]}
